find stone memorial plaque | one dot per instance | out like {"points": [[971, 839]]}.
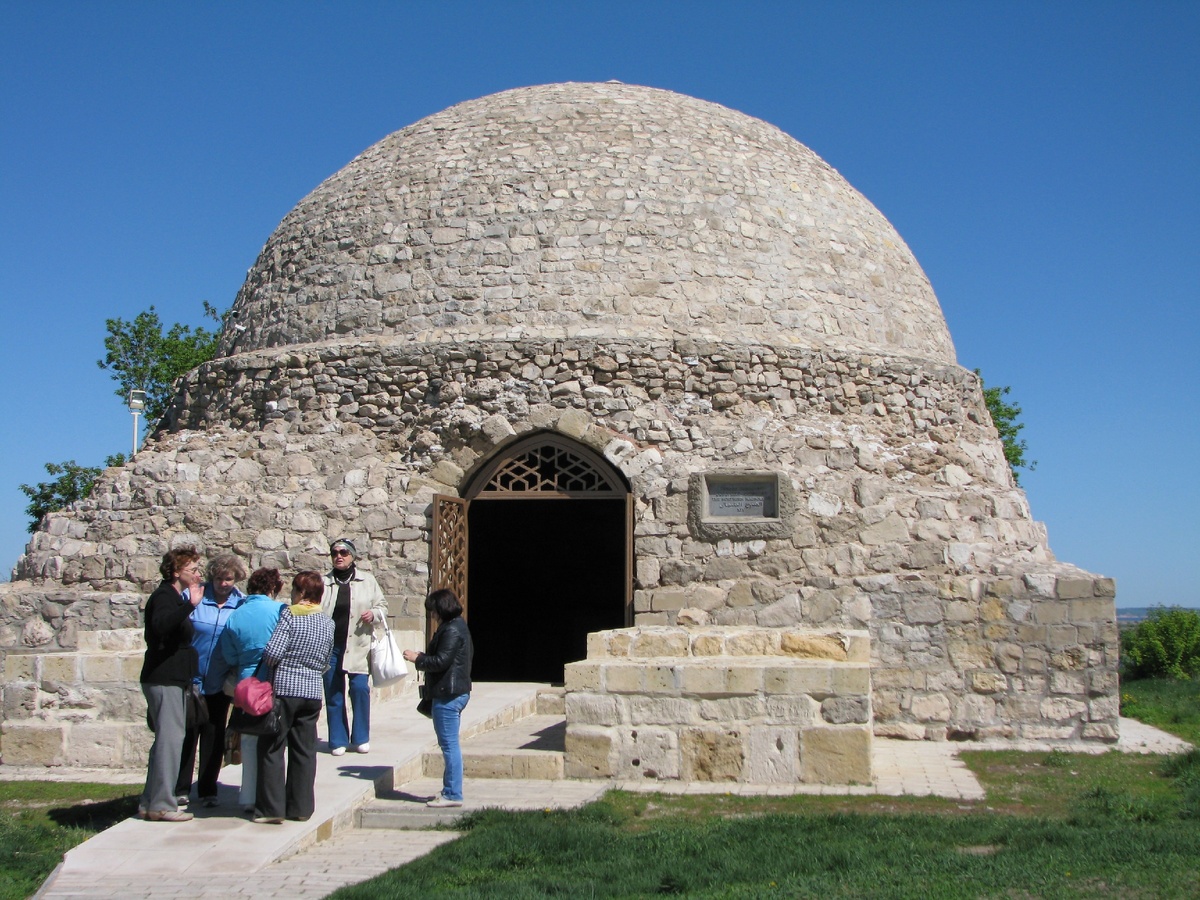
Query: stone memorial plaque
{"points": [[742, 499]]}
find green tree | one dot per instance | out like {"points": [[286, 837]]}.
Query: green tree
{"points": [[1004, 417], [141, 356], [74, 482]]}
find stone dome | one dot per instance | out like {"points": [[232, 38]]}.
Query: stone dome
{"points": [[589, 211]]}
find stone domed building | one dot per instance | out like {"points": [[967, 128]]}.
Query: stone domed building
{"points": [[669, 403]]}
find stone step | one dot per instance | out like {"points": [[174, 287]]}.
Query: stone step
{"points": [[529, 748]]}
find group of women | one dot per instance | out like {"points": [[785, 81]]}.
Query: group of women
{"points": [[203, 636]]}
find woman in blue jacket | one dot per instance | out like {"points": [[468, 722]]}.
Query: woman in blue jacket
{"points": [[221, 598], [240, 650]]}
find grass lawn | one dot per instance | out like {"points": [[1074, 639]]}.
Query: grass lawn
{"points": [[1173, 706], [42, 820], [1053, 825]]}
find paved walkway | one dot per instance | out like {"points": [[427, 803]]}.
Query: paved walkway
{"points": [[221, 853]]}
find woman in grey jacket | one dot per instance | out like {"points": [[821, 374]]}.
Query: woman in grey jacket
{"points": [[447, 664]]}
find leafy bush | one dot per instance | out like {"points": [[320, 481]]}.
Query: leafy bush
{"points": [[1164, 645]]}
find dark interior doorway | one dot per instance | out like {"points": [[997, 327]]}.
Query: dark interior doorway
{"points": [[542, 575]]}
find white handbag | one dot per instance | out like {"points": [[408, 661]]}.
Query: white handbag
{"points": [[387, 663]]}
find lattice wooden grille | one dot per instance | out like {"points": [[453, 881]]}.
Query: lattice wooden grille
{"points": [[549, 468], [450, 545]]}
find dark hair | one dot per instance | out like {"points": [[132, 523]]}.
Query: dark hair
{"points": [[309, 585], [444, 604], [175, 561], [265, 581]]}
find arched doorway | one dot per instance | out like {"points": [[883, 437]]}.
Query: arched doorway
{"points": [[540, 549]]}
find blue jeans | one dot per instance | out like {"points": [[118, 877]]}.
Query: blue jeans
{"points": [[446, 716], [335, 704]]}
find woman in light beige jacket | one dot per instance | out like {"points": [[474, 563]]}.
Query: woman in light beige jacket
{"points": [[357, 606]]}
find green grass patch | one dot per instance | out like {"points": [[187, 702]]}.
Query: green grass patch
{"points": [[1053, 825], [1169, 704], [41, 820]]}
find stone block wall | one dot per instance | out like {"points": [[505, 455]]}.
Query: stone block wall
{"points": [[905, 518], [753, 705], [76, 708]]}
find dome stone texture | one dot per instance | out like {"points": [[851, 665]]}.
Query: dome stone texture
{"points": [[589, 211]]}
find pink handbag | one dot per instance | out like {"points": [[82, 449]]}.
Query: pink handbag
{"points": [[254, 695]]}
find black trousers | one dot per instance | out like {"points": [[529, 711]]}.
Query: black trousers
{"points": [[292, 796], [211, 739]]}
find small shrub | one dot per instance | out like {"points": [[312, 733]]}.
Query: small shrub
{"points": [[1164, 645]]}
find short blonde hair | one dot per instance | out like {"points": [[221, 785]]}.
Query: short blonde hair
{"points": [[225, 564]]}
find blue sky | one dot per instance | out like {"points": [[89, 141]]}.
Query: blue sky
{"points": [[1041, 160]]}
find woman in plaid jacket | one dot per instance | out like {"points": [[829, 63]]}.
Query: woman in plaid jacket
{"points": [[298, 654]]}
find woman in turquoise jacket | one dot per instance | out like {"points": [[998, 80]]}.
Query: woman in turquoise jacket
{"points": [[240, 651]]}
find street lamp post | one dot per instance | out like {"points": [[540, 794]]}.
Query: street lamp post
{"points": [[137, 402]]}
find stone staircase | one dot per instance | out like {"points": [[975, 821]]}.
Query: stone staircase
{"points": [[528, 748]]}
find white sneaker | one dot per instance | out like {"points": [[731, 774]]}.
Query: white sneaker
{"points": [[440, 802], [363, 748], [338, 751]]}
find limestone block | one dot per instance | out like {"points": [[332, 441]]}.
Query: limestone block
{"points": [[60, 668], [846, 710], [663, 711], [137, 743], [1102, 709], [20, 667], [660, 643], [772, 754], [597, 644], [742, 679], [95, 745], [792, 710], [851, 679], [707, 644], [930, 707], [1102, 681], [712, 754], [1101, 731], [592, 709], [666, 600], [646, 752], [703, 679], [805, 645], [1048, 732], [582, 676], [835, 755], [974, 710], [1067, 682], [590, 752], [623, 678], [1072, 588], [1094, 609], [752, 643], [661, 679], [1104, 587], [1059, 709], [20, 700], [904, 731], [33, 743], [988, 682], [1061, 637], [735, 709], [1051, 612], [101, 667]]}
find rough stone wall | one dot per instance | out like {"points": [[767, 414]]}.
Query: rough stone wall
{"points": [[907, 521]]}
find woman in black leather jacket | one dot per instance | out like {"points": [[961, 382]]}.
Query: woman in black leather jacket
{"points": [[447, 664]]}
